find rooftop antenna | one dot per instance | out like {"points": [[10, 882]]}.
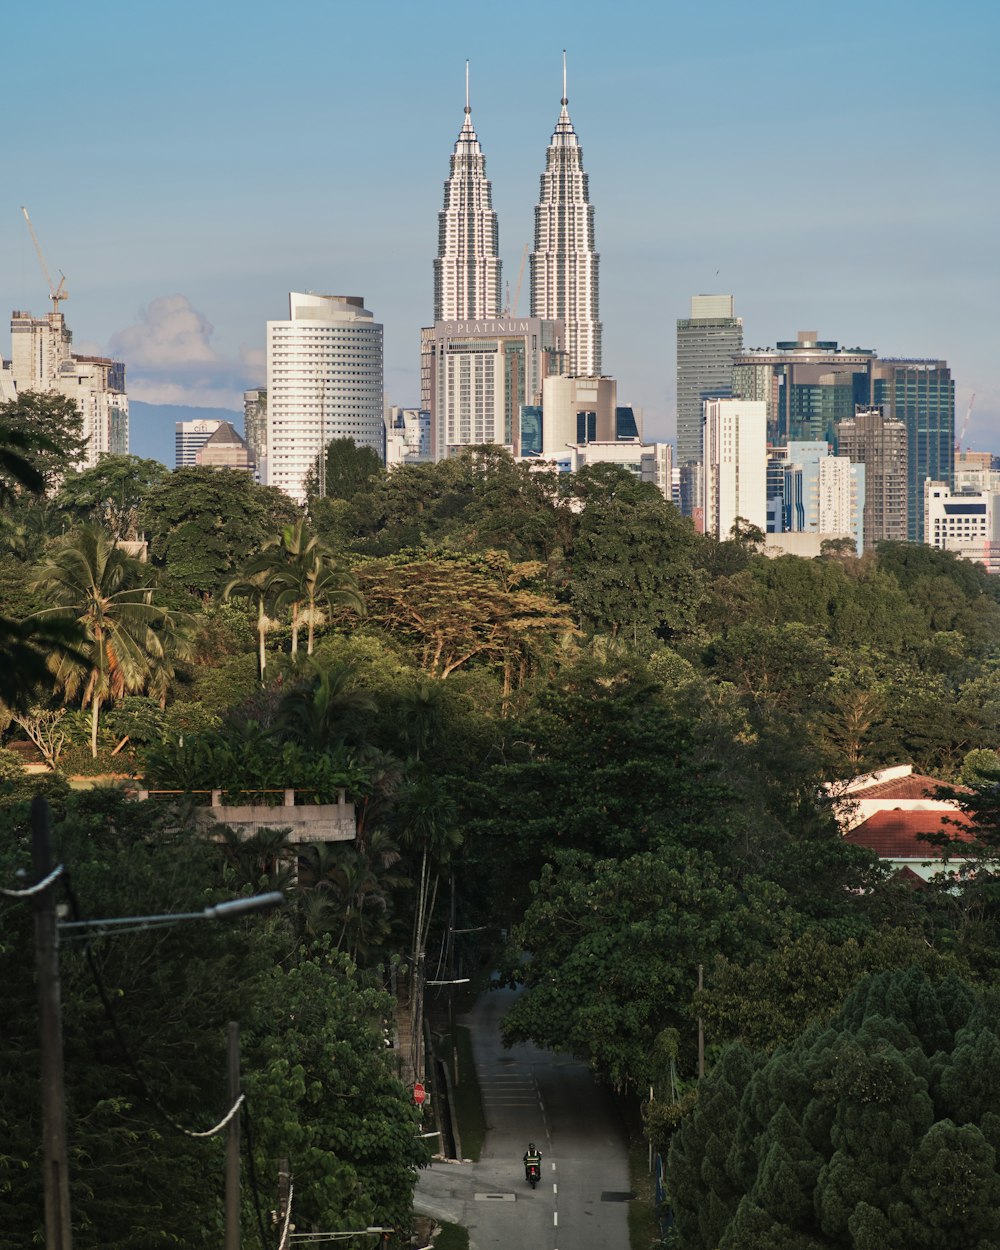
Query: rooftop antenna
{"points": [[565, 98], [467, 108]]}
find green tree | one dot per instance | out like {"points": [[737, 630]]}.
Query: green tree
{"points": [[43, 431], [856, 1134], [349, 470], [127, 636], [111, 493], [205, 524], [633, 572]]}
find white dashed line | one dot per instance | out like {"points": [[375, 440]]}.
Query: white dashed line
{"points": [[555, 1218], [555, 1188]]}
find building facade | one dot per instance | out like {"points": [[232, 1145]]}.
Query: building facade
{"points": [[967, 524], [564, 262], [190, 437], [41, 360], [577, 410], [484, 373], [707, 342], [920, 394], [807, 385], [734, 469], [324, 381], [407, 436], [870, 438], [255, 422], [226, 449]]}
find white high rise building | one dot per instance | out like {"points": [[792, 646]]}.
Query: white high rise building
{"points": [[467, 268], [734, 471], [564, 264], [42, 362], [324, 381]]}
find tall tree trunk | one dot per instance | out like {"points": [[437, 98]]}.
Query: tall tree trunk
{"points": [[295, 629], [261, 636], [95, 711]]}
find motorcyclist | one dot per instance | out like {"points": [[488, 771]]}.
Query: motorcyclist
{"points": [[532, 1159]]}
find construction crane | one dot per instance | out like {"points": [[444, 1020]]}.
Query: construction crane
{"points": [[56, 293], [965, 424]]}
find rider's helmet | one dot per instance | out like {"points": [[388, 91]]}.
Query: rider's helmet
{"points": [[531, 1148]]}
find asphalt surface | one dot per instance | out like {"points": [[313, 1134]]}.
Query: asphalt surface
{"points": [[550, 1099]]}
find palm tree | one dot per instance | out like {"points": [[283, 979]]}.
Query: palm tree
{"points": [[305, 576], [89, 580], [255, 580], [327, 710]]}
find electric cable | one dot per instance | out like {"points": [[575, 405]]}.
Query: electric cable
{"points": [[130, 1061], [251, 1168], [37, 888]]}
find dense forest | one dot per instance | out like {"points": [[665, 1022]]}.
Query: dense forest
{"points": [[564, 718]]}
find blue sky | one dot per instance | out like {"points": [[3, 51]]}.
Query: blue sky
{"points": [[186, 165]]}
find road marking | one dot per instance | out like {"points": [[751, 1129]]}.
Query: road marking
{"points": [[553, 1167], [555, 1188], [555, 1218]]}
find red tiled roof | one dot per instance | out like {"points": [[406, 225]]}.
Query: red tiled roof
{"points": [[915, 786], [895, 834]]}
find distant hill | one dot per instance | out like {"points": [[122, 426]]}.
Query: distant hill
{"points": [[151, 427]]}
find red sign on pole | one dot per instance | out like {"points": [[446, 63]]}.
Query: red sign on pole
{"points": [[419, 1093]]}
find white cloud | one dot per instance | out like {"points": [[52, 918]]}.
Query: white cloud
{"points": [[170, 359]]}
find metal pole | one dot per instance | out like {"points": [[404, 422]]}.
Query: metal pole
{"points": [[55, 1160], [233, 1142]]}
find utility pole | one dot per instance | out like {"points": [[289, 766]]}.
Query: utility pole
{"points": [[55, 1160], [233, 1142]]}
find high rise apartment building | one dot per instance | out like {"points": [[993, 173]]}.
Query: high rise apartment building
{"points": [[41, 360], [484, 373], [920, 394], [734, 468], [564, 263], [871, 438], [821, 494], [707, 342], [324, 381]]}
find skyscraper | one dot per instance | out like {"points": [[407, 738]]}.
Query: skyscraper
{"points": [[190, 437], [324, 381], [871, 439], [467, 268], [564, 264], [707, 341], [921, 394], [734, 469]]}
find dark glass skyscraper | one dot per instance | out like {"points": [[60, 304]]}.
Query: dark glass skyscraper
{"points": [[921, 394]]}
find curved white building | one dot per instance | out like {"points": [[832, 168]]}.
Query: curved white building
{"points": [[324, 381], [564, 264], [467, 268]]}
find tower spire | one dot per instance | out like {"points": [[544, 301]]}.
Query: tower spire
{"points": [[565, 262], [468, 108]]}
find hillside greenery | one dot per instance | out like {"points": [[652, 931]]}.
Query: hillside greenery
{"points": [[567, 721]]}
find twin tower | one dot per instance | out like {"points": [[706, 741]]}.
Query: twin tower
{"points": [[564, 264]]}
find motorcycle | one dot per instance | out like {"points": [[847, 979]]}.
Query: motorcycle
{"points": [[533, 1174]]}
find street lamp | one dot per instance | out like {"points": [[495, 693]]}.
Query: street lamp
{"points": [[55, 1155]]}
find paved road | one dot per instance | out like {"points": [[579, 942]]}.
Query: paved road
{"points": [[533, 1095]]}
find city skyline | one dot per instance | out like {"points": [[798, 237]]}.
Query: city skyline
{"points": [[830, 174]]}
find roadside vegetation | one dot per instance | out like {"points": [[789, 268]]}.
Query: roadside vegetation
{"points": [[585, 746]]}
